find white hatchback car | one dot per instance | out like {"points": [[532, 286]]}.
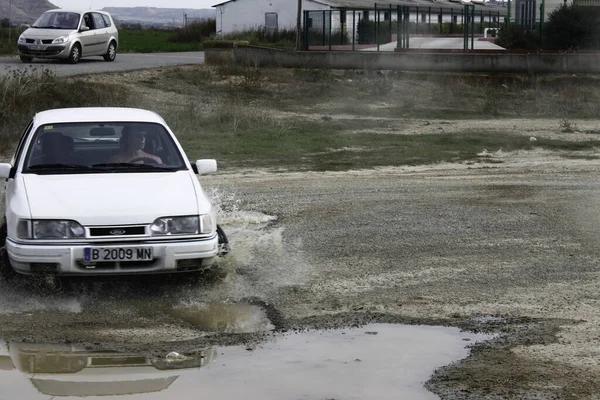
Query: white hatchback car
{"points": [[70, 35], [106, 191]]}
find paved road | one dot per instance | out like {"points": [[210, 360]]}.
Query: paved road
{"points": [[439, 43], [124, 62]]}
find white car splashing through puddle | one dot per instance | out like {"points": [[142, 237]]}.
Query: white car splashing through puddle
{"points": [[106, 191]]}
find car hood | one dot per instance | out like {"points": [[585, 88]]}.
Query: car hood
{"points": [[35, 33], [113, 199]]}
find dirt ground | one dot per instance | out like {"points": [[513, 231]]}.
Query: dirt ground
{"points": [[509, 248], [508, 245]]}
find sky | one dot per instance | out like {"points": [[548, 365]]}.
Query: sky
{"points": [[98, 4]]}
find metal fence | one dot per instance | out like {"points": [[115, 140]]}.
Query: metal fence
{"points": [[355, 29]]}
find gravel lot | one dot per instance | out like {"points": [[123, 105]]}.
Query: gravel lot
{"points": [[509, 248]]}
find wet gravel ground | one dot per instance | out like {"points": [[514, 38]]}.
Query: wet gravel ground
{"points": [[505, 248]]}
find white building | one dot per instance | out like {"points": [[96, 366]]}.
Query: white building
{"points": [[239, 15]]}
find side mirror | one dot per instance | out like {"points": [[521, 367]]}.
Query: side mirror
{"points": [[5, 170], [203, 167], [84, 28]]}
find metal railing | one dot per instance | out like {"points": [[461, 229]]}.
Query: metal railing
{"points": [[356, 29]]}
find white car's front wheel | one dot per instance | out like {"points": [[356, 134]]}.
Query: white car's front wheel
{"points": [[111, 53]]}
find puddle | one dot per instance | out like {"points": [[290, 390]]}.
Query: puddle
{"points": [[229, 318], [378, 361]]}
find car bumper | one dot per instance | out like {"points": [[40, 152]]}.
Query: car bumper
{"points": [[49, 51], [169, 256]]}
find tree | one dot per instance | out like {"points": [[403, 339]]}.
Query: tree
{"points": [[573, 28]]}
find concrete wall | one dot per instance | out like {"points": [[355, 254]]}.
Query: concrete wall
{"points": [[410, 61], [240, 15]]}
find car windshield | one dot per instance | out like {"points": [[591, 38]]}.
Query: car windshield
{"points": [[101, 148], [57, 20]]}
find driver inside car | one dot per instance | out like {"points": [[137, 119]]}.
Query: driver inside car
{"points": [[132, 143]]}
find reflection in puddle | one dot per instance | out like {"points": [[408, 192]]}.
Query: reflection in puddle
{"points": [[228, 318], [65, 370], [378, 361]]}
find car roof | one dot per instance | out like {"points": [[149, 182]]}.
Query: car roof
{"points": [[97, 114], [76, 10]]}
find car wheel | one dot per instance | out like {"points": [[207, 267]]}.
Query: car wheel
{"points": [[26, 59], [224, 247], [111, 53], [75, 54]]}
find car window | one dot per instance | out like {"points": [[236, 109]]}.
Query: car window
{"points": [[88, 20], [106, 20], [103, 146], [57, 20], [98, 21]]}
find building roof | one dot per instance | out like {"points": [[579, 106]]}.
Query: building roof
{"points": [[230, 1], [456, 4]]}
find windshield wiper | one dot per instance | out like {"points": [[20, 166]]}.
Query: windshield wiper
{"points": [[64, 167], [48, 27], [134, 166]]}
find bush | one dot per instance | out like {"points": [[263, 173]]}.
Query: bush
{"points": [[573, 28], [259, 36], [195, 32], [516, 37], [366, 32]]}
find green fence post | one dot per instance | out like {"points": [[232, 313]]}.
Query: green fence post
{"points": [[330, 19], [306, 28], [353, 28], [472, 27]]}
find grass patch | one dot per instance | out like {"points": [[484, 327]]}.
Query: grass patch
{"points": [[152, 41], [254, 141], [394, 94]]}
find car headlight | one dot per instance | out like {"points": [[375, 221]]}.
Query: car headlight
{"points": [[61, 40], [188, 225], [49, 229], [22, 39]]}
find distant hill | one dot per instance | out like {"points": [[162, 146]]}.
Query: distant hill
{"points": [[159, 16], [24, 11]]}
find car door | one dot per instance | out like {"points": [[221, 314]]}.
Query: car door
{"points": [[102, 33], [88, 38]]}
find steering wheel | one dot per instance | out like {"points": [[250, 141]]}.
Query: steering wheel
{"points": [[146, 160]]}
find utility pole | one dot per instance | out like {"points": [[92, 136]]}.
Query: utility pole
{"points": [[299, 25]]}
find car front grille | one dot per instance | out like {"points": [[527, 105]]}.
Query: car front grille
{"points": [[118, 231], [50, 51], [109, 265]]}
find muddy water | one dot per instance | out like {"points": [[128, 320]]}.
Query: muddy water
{"points": [[378, 361]]}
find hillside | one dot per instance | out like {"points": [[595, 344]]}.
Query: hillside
{"points": [[24, 11], [158, 16]]}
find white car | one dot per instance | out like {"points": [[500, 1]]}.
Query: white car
{"points": [[106, 191], [70, 35]]}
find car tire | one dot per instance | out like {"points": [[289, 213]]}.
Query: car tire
{"points": [[111, 53], [26, 59], [75, 54], [224, 247]]}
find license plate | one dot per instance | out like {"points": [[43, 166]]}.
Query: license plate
{"points": [[38, 47], [100, 254]]}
